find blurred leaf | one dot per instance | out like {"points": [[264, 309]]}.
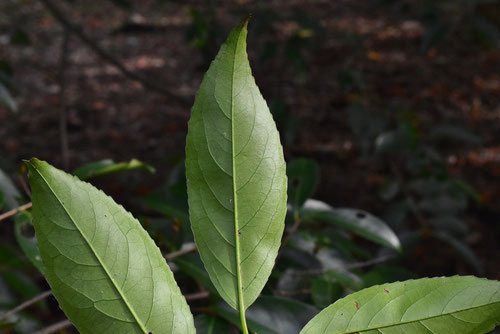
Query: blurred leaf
{"points": [[324, 291], [449, 224], [6, 98], [207, 324], [389, 190], [366, 126], [108, 166], [22, 284], [345, 278], [386, 274], [303, 177], [453, 134], [191, 265], [25, 236], [167, 208], [9, 258], [273, 315], [403, 139], [356, 221], [463, 250]]}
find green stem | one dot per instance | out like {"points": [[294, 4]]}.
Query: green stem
{"points": [[243, 321]]}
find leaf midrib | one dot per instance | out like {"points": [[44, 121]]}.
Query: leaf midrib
{"points": [[115, 285], [421, 319], [241, 302]]}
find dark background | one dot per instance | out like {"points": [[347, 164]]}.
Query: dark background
{"points": [[397, 101]]}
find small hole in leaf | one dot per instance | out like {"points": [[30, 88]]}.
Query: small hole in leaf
{"points": [[360, 215], [28, 231]]}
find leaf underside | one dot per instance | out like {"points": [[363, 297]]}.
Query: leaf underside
{"points": [[236, 176], [105, 271], [458, 305]]}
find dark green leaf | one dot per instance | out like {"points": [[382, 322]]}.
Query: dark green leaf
{"points": [[273, 315], [9, 191], [108, 166], [25, 236], [206, 324], [303, 177], [356, 221]]}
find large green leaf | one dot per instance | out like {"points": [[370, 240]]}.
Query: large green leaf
{"points": [[458, 305], [354, 220], [102, 266], [236, 176]]}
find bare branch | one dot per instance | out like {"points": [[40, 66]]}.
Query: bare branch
{"points": [[55, 327], [197, 295], [186, 249], [15, 211], [58, 14], [26, 304]]}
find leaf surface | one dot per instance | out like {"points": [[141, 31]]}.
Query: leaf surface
{"points": [[356, 221], [103, 268], [236, 176], [458, 305]]}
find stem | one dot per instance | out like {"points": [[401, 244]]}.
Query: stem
{"points": [[243, 321], [15, 211]]}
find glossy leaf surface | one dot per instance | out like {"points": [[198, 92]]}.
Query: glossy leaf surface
{"points": [[356, 221], [459, 305], [235, 176], [103, 268], [108, 166]]}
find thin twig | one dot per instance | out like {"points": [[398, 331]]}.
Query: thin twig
{"points": [[15, 211], [186, 249], [25, 304], [63, 117], [55, 327], [58, 14], [197, 295]]}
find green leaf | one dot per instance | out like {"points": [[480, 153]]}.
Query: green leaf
{"points": [[206, 324], [235, 176], [356, 221], [273, 315], [303, 176], [9, 191], [27, 242], [458, 305], [108, 166], [104, 269], [6, 99], [191, 265]]}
